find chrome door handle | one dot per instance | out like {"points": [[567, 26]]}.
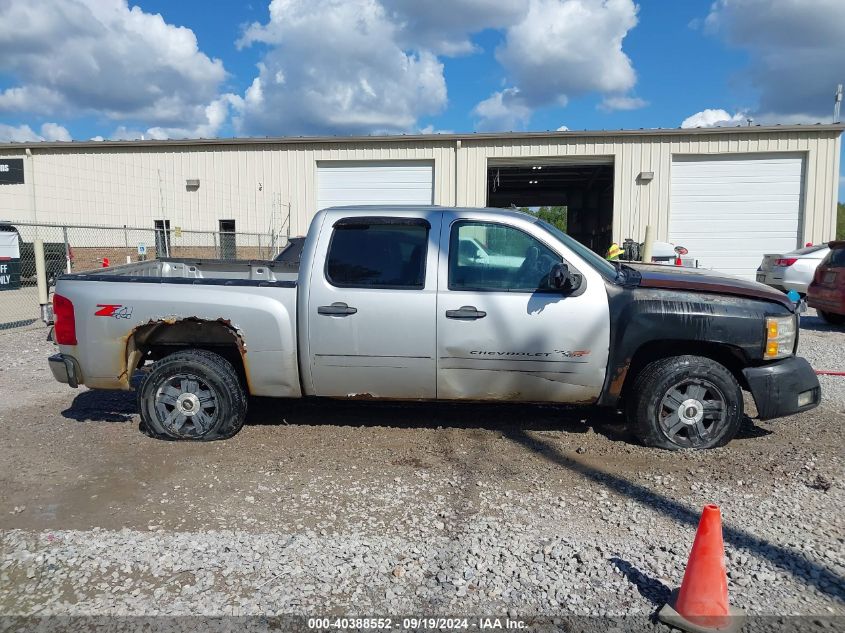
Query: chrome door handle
{"points": [[336, 309], [466, 313]]}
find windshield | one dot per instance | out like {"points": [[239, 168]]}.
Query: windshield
{"points": [[604, 267]]}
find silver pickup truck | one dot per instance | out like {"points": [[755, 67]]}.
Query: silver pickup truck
{"points": [[434, 303]]}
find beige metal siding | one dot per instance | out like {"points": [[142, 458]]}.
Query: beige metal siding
{"points": [[639, 204], [256, 186], [257, 183]]}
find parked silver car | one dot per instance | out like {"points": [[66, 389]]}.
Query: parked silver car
{"points": [[793, 270]]}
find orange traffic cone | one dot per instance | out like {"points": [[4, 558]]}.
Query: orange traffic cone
{"points": [[701, 604]]}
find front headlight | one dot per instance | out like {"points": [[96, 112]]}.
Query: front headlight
{"points": [[780, 337]]}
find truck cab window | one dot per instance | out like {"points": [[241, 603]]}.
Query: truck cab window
{"points": [[378, 253], [488, 256]]}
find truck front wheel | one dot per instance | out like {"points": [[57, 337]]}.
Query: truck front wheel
{"points": [[685, 402], [192, 395]]}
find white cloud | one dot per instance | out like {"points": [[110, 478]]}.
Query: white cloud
{"points": [[620, 102], [329, 67], [213, 116], [563, 128], [428, 25], [78, 57], [795, 50], [363, 66], [17, 134], [55, 132], [123, 133], [24, 133], [30, 99], [712, 118], [344, 69], [430, 129], [567, 48], [417, 25], [503, 110]]}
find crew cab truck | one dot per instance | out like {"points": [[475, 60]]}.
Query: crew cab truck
{"points": [[434, 303]]}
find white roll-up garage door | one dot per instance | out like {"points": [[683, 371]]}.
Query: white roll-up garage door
{"points": [[385, 182], [730, 210]]}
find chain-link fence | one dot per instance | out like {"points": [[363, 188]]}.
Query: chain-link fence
{"points": [[76, 248]]}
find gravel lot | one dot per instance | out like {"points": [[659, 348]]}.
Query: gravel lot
{"points": [[19, 308], [362, 508]]}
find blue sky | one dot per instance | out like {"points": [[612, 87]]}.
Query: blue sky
{"points": [[103, 68]]}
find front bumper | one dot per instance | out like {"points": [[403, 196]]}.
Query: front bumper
{"points": [[65, 369], [776, 387]]}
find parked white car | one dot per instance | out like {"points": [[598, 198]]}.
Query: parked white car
{"points": [[793, 270]]}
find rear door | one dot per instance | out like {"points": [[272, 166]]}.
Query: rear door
{"points": [[502, 333], [371, 307]]}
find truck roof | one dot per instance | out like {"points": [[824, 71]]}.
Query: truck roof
{"points": [[369, 209]]}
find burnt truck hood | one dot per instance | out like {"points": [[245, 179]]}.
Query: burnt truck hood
{"points": [[698, 280]]}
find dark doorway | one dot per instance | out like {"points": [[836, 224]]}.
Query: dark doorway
{"points": [[583, 193], [228, 244], [162, 235]]}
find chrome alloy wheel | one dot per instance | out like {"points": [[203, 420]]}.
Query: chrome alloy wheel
{"points": [[186, 406], [692, 411]]}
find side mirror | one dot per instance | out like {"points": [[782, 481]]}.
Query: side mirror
{"points": [[562, 278]]}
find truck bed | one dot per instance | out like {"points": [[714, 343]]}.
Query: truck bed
{"points": [[254, 300], [198, 271]]}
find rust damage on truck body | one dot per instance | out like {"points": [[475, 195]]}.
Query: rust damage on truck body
{"points": [[153, 332], [619, 376]]}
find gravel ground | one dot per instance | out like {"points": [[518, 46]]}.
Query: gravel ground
{"points": [[19, 308], [322, 508]]}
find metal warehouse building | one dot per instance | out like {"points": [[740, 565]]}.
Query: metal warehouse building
{"points": [[728, 194]]}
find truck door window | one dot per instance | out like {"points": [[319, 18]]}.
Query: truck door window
{"points": [[489, 256], [378, 253]]}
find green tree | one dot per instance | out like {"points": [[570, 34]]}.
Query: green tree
{"points": [[840, 221], [556, 216]]}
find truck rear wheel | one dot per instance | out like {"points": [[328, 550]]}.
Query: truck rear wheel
{"points": [[192, 395], [685, 402]]}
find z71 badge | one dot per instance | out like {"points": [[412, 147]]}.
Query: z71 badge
{"points": [[114, 310]]}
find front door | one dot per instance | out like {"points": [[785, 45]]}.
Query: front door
{"points": [[371, 308], [502, 332]]}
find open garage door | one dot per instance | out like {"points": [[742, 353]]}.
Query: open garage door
{"points": [[730, 210], [581, 188], [368, 182]]}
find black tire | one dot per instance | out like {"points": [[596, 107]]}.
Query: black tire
{"points": [[682, 402], [831, 318], [192, 395]]}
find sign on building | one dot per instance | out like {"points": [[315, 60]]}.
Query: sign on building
{"points": [[11, 171], [10, 260]]}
